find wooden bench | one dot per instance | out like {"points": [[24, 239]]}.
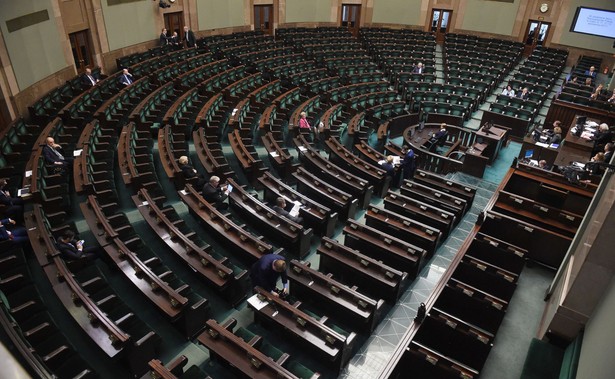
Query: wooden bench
{"points": [[528, 236], [320, 218], [393, 251], [417, 210], [414, 232], [452, 187], [179, 304], [351, 266], [442, 200], [346, 303], [472, 305], [279, 156], [243, 355], [342, 179], [214, 271], [315, 334], [455, 339], [249, 246], [294, 236], [211, 156], [376, 176], [247, 156], [174, 370], [428, 363], [310, 185]]}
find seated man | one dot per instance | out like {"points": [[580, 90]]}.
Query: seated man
{"points": [[265, 272], [524, 94], [126, 78], [12, 206], [608, 152], [280, 208], [88, 80], [591, 73], [215, 194], [190, 172], [543, 165], [18, 235], [438, 138], [418, 69], [72, 249], [52, 152], [601, 137]]}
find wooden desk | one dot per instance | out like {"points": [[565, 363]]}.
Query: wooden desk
{"points": [[494, 137], [579, 143], [549, 154]]}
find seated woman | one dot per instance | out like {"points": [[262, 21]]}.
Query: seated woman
{"points": [[508, 91]]}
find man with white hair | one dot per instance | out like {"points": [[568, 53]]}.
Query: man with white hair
{"points": [[215, 194], [418, 69]]}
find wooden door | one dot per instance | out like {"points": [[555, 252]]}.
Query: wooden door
{"points": [[263, 18], [82, 49], [351, 18], [174, 22], [535, 35], [440, 20]]}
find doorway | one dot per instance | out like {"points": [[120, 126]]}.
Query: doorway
{"points": [[440, 20], [535, 35], [351, 18], [174, 22], [81, 48], [263, 18]]}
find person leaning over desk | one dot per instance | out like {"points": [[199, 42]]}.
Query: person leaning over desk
{"points": [[265, 272]]}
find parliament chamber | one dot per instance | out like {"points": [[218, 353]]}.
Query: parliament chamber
{"points": [[466, 259]]}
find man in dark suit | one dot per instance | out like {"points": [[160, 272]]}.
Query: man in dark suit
{"points": [[18, 235], [418, 69], [280, 208], [126, 78], [608, 152], [387, 165], [73, 250], [53, 154], [214, 194], [11, 206], [164, 39], [265, 272], [591, 73], [408, 163], [190, 172], [88, 80], [189, 37]]}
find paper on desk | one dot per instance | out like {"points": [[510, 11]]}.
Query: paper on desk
{"points": [[77, 153], [257, 303], [541, 144], [274, 154], [28, 173]]}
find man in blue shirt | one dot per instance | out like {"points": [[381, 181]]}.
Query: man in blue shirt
{"points": [[264, 273]]}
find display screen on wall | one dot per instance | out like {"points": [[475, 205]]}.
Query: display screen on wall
{"points": [[597, 22]]}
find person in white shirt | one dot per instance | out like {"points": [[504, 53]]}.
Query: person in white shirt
{"points": [[508, 91]]}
